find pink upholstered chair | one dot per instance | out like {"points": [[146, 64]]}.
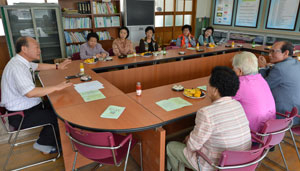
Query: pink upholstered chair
{"points": [[101, 147], [14, 132], [239, 160], [277, 128]]}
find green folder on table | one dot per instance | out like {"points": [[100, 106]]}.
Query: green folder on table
{"points": [[173, 103], [92, 95], [112, 112]]}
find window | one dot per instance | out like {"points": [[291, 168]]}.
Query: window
{"points": [[1, 28], [170, 16]]}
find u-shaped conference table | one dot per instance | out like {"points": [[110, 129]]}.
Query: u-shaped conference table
{"points": [[142, 117]]}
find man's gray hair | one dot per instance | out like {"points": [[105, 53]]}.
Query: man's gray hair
{"points": [[247, 62]]}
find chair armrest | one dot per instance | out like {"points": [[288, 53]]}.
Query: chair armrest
{"points": [[199, 153], [129, 137], [284, 115], [257, 139], [12, 114]]}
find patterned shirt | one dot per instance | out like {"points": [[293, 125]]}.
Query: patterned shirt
{"points": [[17, 81], [122, 48], [87, 52], [219, 127]]}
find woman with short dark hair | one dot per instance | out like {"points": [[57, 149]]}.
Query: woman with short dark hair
{"points": [[92, 48], [207, 37], [148, 43], [186, 39], [121, 45]]}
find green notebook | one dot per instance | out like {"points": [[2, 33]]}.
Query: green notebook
{"points": [[112, 112], [92, 95], [173, 103]]}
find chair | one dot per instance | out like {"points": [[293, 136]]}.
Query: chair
{"points": [[111, 52], [75, 56], [101, 147], [238, 160], [277, 128], [137, 49], [15, 132]]}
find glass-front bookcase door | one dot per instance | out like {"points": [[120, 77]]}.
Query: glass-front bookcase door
{"points": [[47, 33], [39, 22]]}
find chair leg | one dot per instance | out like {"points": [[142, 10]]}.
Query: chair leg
{"points": [[8, 156], [126, 160], [74, 162], [141, 155], [282, 155], [296, 148]]}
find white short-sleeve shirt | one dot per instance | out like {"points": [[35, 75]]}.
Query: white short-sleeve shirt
{"points": [[16, 82]]}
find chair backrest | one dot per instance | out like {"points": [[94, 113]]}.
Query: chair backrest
{"points": [[111, 52], [2, 109], [297, 47], [76, 56], [86, 138], [276, 127], [238, 158], [137, 49]]}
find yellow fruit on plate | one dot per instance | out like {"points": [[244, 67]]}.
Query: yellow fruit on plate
{"points": [[90, 60], [193, 92]]}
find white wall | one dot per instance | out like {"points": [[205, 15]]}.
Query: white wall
{"points": [[203, 8]]}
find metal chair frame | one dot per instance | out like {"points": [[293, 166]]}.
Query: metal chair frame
{"points": [[14, 143], [107, 148], [201, 155], [279, 145]]}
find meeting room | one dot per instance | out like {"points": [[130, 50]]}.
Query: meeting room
{"points": [[153, 85]]}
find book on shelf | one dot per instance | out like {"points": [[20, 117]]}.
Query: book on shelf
{"points": [[72, 49], [84, 7], [81, 37], [76, 23], [113, 21], [104, 8]]}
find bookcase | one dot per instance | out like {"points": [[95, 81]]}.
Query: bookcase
{"points": [[83, 16], [40, 21]]}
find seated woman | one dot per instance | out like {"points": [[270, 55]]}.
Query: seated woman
{"points": [[121, 45], [148, 43], [206, 37], [254, 93], [186, 39], [92, 48]]}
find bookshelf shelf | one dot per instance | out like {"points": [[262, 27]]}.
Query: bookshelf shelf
{"points": [[78, 30], [106, 15], [77, 15]]}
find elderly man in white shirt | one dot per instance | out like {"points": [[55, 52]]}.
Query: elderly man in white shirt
{"points": [[18, 92]]}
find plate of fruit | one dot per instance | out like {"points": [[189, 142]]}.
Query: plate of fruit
{"points": [[194, 93], [90, 61]]}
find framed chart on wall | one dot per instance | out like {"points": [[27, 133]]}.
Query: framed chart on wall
{"points": [[223, 12], [247, 13], [282, 14]]}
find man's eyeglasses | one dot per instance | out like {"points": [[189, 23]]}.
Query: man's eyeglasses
{"points": [[275, 50]]}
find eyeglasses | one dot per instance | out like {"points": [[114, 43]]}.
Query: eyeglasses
{"points": [[275, 50]]}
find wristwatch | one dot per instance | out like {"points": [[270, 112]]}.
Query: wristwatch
{"points": [[56, 65]]}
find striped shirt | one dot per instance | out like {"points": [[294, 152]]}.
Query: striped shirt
{"points": [[17, 81], [219, 127]]}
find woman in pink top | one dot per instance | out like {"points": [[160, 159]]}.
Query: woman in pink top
{"points": [[254, 93]]}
